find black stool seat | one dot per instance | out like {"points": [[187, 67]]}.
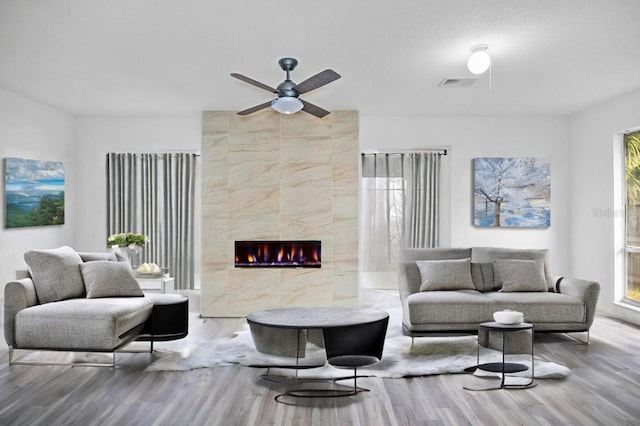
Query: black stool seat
{"points": [[351, 361]]}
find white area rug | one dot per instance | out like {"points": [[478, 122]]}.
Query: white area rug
{"points": [[428, 356]]}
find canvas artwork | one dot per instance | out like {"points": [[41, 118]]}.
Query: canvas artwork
{"points": [[34, 192], [512, 192]]}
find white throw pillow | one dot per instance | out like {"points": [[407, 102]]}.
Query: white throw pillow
{"points": [[520, 275], [447, 274], [109, 279]]}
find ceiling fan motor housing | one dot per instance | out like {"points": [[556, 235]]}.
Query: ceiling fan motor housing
{"points": [[286, 88]]}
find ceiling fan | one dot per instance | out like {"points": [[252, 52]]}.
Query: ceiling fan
{"points": [[288, 101]]}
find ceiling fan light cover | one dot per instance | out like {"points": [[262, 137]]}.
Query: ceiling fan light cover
{"points": [[287, 105], [479, 61]]}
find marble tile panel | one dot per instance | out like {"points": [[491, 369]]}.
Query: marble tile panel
{"points": [[303, 203], [215, 122], [259, 280], [304, 124], [306, 148], [306, 174], [212, 305], [254, 174], [346, 229], [346, 203], [242, 304], [254, 227], [345, 253], [308, 280], [215, 202], [253, 148], [345, 149], [215, 148], [307, 300], [345, 175], [345, 123], [260, 124], [292, 228], [214, 175], [254, 200], [214, 229], [345, 284], [215, 282]]}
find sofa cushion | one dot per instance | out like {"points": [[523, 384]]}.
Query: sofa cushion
{"points": [[519, 275], [449, 307], [56, 273], [90, 324], [449, 274], [541, 307], [104, 278]]}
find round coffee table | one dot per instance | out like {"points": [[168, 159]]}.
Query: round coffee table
{"points": [[264, 326], [504, 367]]}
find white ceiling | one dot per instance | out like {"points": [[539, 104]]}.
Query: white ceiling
{"points": [[170, 57]]}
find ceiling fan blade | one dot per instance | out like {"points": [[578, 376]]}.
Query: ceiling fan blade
{"points": [[314, 109], [318, 80], [253, 82], [255, 108]]}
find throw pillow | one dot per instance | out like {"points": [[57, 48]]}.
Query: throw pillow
{"points": [[93, 256], [103, 278], [55, 273], [449, 274], [520, 275]]}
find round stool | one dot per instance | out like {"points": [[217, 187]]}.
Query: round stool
{"points": [[169, 319]]}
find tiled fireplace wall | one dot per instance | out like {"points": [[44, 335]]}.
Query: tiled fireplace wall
{"points": [[269, 176]]}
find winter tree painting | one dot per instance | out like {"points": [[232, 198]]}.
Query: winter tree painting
{"points": [[512, 192]]}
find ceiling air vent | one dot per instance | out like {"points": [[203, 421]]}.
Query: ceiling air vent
{"points": [[457, 82]]}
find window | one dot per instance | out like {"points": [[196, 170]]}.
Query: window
{"points": [[632, 217]]}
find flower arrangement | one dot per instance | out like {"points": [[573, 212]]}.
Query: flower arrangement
{"points": [[128, 239]]}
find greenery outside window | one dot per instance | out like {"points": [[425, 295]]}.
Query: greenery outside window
{"points": [[632, 217]]}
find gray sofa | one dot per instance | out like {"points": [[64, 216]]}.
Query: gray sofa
{"points": [[73, 301], [462, 287]]}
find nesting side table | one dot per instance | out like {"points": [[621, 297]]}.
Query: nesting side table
{"points": [[503, 367]]}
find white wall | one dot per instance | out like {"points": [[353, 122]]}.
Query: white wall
{"points": [[469, 137], [31, 130], [593, 134]]}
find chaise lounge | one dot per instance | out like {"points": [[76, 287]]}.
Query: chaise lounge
{"points": [[86, 302]]}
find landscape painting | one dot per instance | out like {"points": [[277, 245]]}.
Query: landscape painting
{"points": [[34, 192], [512, 192]]}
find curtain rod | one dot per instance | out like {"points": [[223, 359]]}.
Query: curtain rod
{"points": [[196, 153], [408, 151]]}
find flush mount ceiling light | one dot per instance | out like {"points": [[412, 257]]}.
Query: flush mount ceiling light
{"points": [[287, 105], [479, 61]]}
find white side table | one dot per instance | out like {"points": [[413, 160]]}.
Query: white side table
{"points": [[156, 285]]}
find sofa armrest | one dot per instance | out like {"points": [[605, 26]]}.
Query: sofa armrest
{"points": [[18, 295], [587, 291]]}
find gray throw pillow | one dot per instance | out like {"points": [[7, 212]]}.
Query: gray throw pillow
{"points": [[94, 256], [109, 279], [449, 274], [55, 273], [520, 275]]}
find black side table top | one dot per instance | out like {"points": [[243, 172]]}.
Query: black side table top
{"points": [[506, 327]]}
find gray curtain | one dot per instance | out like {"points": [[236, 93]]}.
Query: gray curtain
{"points": [[154, 194], [402, 202]]}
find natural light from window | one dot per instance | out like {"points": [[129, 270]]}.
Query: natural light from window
{"points": [[632, 216]]}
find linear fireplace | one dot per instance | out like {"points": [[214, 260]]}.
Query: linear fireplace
{"points": [[278, 254]]}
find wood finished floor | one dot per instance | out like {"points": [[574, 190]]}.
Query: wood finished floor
{"points": [[604, 389]]}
